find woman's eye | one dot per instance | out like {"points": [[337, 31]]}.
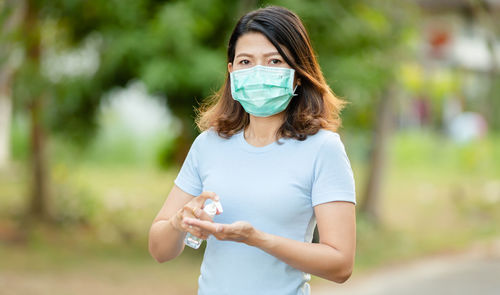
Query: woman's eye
{"points": [[244, 61], [275, 61]]}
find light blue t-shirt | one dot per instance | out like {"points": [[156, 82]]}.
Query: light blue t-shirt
{"points": [[275, 188]]}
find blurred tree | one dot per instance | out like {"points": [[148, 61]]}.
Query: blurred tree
{"points": [[31, 93], [175, 47], [178, 49], [360, 45], [482, 12], [64, 102], [10, 19]]}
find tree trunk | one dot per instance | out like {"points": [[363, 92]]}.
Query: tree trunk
{"points": [[483, 14], [5, 121], [371, 198], [38, 204], [493, 104], [38, 207]]}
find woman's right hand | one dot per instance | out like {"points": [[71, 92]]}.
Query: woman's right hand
{"points": [[194, 209]]}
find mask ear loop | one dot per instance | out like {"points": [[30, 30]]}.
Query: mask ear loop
{"points": [[293, 93]]}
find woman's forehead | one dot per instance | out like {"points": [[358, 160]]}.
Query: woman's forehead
{"points": [[254, 43]]}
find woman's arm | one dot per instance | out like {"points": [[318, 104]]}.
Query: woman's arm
{"points": [[332, 258], [165, 241], [166, 236]]}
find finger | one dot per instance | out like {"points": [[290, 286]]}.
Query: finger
{"points": [[201, 214], [198, 232], [219, 228], [203, 233], [195, 231], [189, 211], [205, 196], [207, 226]]}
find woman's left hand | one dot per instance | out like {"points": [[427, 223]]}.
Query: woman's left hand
{"points": [[240, 231]]}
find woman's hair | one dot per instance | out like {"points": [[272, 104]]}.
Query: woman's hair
{"points": [[314, 107]]}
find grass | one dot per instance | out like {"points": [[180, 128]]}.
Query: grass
{"points": [[72, 262], [99, 236], [437, 197]]}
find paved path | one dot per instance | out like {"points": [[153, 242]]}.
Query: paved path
{"points": [[475, 272]]}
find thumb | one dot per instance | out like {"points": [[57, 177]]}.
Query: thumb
{"points": [[207, 195], [201, 214]]}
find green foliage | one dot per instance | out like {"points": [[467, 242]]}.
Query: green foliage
{"points": [[356, 43], [178, 49]]}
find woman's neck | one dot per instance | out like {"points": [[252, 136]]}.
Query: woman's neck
{"points": [[262, 131]]}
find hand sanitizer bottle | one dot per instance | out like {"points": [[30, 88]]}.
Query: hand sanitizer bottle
{"points": [[211, 209]]}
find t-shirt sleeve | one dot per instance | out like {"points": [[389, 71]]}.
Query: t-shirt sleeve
{"points": [[188, 178], [333, 177]]}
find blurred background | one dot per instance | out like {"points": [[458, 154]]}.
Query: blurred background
{"points": [[97, 103]]}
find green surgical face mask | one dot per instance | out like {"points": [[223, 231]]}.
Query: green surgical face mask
{"points": [[263, 91]]}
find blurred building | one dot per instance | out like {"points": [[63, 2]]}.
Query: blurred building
{"points": [[459, 34], [459, 52]]}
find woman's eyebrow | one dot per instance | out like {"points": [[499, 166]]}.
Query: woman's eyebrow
{"points": [[272, 53], [244, 54], [265, 54]]}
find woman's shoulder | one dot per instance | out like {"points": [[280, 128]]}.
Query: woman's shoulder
{"points": [[326, 133], [207, 137], [321, 140], [324, 136]]}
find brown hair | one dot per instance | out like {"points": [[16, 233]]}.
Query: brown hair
{"points": [[314, 107]]}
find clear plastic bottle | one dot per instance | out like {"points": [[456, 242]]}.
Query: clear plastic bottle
{"points": [[211, 209]]}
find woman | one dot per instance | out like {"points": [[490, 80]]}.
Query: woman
{"points": [[270, 154]]}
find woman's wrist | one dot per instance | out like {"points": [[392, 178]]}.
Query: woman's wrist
{"points": [[257, 238]]}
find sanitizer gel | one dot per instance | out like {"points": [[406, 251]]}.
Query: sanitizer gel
{"points": [[211, 210]]}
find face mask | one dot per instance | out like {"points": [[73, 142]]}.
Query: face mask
{"points": [[263, 91]]}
